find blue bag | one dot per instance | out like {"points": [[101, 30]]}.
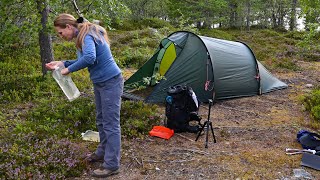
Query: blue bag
{"points": [[309, 140]]}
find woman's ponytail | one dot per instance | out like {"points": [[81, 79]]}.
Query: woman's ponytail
{"points": [[96, 31]]}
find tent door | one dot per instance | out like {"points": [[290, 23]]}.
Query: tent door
{"points": [[164, 60]]}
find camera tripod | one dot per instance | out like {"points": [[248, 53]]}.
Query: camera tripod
{"points": [[207, 124]]}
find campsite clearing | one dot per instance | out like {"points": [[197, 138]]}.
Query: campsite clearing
{"points": [[252, 135]]}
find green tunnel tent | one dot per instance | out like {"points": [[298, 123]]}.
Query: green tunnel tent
{"points": [[210, 66]]}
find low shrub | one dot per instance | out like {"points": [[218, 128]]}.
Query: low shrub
{"points": [[311, 103], [23, 156], [269, 33], [58, 117], [215, 33], [297, 35], [154, 23], [284, 63], [64, 50], [25, 88], [21, 77], [134, 57], [44, 144], [133, 49], [138, 118]]}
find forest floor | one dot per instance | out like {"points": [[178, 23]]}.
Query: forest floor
{"points": [[252, 134]]}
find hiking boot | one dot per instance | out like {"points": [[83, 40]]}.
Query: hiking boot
{"points": [[94, 158], [103, 172]]}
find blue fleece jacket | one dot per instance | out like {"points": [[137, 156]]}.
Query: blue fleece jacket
{"points": [[97, 57]]}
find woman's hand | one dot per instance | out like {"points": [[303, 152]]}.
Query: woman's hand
{"points": [[53, 64], [65, 71]]}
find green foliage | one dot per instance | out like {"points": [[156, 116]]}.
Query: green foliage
{"points": [[125, 25], [134, 24], [141, 9], [134, 48], [38, 144], [133, 57], [154, 23], [39, 147], [138, 118], [64, 50], [311, 8], [93, 10], [20, 79], [145, 82], [309, 46], [269, 33], [216, 33], [296, 35], [57, 116], [24, 88], [285, 63], [311, 103], [309, 38], [19, 24], [203, 13], [23, 156]]}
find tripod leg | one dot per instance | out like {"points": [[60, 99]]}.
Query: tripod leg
{"points": [[207, 135], [214, 137], [199, 133]]}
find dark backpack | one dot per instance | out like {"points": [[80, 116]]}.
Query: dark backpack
{"points": [[181, 108], [309, 140]]}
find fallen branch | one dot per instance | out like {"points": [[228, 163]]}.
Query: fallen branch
{"points": [[153, 161], [177, 161], [181, 161], [142, 162], [183, 136], [137, 161], [147, 175], [194, 151]]}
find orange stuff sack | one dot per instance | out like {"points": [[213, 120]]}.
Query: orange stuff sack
{"points": [[161, 132]]}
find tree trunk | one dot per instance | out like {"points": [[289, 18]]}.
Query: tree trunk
{"points": [[233, 15], [282, 14], [248, 15], [45, 41], [220, 22], [198, 24], [274, 20], [293, 15]]}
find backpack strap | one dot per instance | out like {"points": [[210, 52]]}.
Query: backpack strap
{"points": [[315, 135]]}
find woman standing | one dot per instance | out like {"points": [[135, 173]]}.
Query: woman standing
{"points": [[93, 52]]}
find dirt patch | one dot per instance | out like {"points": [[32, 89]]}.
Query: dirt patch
{"points": [[252, 135]]}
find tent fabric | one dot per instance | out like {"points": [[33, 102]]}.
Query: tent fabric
{"points": [[164, 60], [189, 68], [168, 58], [232, 62], [209, 66], [269, 83]]}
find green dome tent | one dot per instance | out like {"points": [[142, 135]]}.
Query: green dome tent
{"points": [[210, 66]]}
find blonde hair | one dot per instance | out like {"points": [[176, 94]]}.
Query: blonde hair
{"points": [[96, 31]]}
